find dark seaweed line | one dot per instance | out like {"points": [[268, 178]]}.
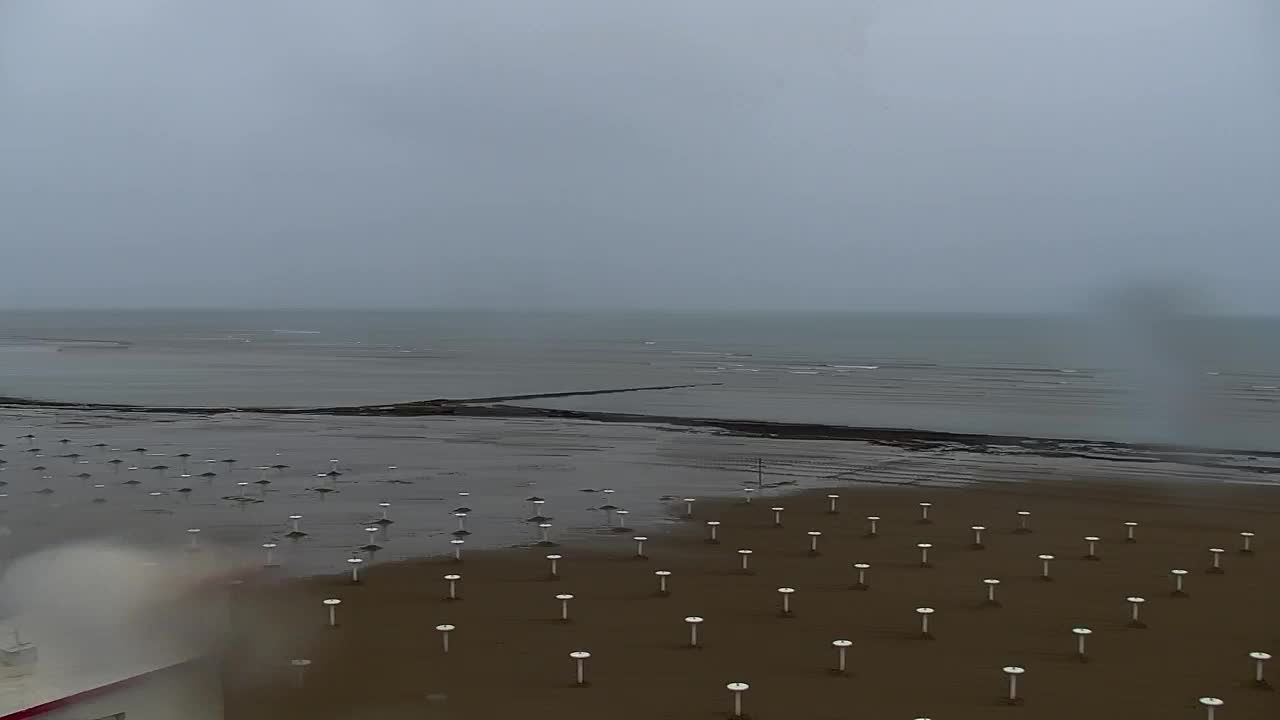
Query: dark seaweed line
{"points": [[906, 438], [439, 406]]}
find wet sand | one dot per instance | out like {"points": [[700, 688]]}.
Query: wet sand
{"points": [[500, 462], [509, 654], [45, 501]]}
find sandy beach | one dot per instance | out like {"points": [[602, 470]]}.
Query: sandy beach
{"points": [[730, 360], [509, 653]]}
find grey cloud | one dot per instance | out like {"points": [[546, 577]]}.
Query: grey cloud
{"points": [[727, 153]]}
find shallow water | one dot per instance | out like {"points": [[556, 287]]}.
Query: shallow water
{"points": [[499, 462], [1212, 382]]}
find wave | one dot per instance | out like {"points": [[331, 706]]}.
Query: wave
{"points": [[22, 347], [1013, 369], [28, 342]]}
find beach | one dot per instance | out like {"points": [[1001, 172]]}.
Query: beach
{"points": [[509, 653], [851, 360], [290, 453], [228, 485]]}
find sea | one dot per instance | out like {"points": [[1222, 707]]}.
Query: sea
{"points": [[1181, 379]]}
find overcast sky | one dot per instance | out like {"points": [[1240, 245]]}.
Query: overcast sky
{"points": [[836, 154]]}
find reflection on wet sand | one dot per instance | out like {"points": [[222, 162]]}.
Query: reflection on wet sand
{"points": [[320, 489]]}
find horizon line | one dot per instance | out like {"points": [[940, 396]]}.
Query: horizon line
{"points": [[621, 310]]}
